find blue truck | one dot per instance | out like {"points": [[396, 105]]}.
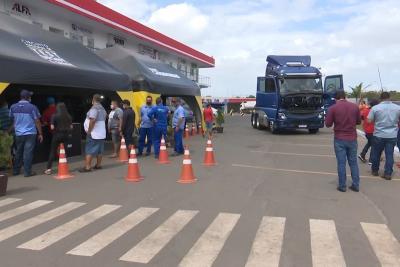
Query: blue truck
{"points": [[291, 95]]}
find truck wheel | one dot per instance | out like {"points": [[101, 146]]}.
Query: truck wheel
{"points": [[313, 131], [253, 120], [258, 124], [273, 128]]}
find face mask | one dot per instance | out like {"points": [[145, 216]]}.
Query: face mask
{"points": [[148, 103]]}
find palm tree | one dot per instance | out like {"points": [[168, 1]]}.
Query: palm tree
{"points": [[356, 91]]}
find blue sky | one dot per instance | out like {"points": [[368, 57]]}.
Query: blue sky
{"points": [[351, 37]]}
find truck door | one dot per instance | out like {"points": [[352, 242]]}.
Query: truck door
{"points": [[332, 84], [267, 97]]}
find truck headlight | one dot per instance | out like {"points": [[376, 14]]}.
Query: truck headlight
{"points": [[282, 116], [321, 115]]}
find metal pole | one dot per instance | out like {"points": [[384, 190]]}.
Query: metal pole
{"points": [[380, 79]]}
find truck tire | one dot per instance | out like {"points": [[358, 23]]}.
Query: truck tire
{"points": [[273, 128], [253, 120], [313, 131], [258, 124]]}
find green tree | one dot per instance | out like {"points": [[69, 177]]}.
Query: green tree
{"points": [[356, 91]]}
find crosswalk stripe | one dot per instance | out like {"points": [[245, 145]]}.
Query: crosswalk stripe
{"points": [[325, 245], [37, 220], [153, 243], [23, 209], [112, 233], [7, 201], [384, 244], [60, 232], [208, 246], [267, 244]]}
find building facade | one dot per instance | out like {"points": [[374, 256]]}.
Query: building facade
{"points": [[96, 27]]}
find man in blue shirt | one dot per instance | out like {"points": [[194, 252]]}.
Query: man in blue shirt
{"points": [[5, 121], [386, 117], [146, 127], [178, 124], [26, 119], [159, 114]]}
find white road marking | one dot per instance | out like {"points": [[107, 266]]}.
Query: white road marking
{"points": [[325, 245], [7, 201], [293, 154], [267, 246], [60, 232], [37, 220], [112, 233], [383, 242], [208, 246], [153, 243], [23, 209]]}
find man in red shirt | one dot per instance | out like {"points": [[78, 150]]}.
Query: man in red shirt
{"points": [[368, 130], [345, 116], [209, 119]]}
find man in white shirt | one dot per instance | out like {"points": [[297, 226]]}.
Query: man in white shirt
{"points": [[95, 127]]}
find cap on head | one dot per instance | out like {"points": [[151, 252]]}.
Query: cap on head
{"points": [[25, 94]]}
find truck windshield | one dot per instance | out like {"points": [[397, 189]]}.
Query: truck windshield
{"points": [[301, 85]]}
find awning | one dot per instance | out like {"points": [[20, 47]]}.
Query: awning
{"points": [[30, 55], [149, 74]]}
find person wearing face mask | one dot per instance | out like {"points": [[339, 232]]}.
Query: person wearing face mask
{"points": [[114, 123], [27, 126], [146, 127]]}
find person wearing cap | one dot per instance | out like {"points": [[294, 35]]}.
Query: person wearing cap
{"points": [[49, 111], [159, 114], [27, 127], [95, 128], [178, 124], [146, 127]]}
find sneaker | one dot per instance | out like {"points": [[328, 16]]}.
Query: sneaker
{"points": [[369, 163], [354, 188], [341, 189], [375, 173], [362, 158], [47, 172], [386, 177]]}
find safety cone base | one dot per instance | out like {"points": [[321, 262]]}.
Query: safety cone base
{"points": [[210, 164], [187, 181], [164, 162], [63, 177], [136, 180]]}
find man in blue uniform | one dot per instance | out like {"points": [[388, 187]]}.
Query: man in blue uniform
{"points": [[159, 114], [146, 127], [178, 124]]}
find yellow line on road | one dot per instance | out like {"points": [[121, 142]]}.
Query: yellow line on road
{"points": [[300, 171], [292, 154]]}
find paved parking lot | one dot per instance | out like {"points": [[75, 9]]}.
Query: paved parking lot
{"points": [[270, 201]]}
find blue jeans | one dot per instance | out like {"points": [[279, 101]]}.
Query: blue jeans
{"points": [[347, 150], [24, 154], [378, 146], [178, 137], [158, 133], [143, 133]]}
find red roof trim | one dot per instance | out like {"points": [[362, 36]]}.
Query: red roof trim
{"points": [[105, 15]]}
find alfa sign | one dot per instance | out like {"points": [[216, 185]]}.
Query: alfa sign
{"points": [[21, 9]]}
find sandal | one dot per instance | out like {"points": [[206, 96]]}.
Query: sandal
{"points": [[85, 170], [97, 167]]}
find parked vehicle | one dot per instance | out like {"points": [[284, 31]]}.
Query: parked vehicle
{"points": [[247, 106], [291, 95]]}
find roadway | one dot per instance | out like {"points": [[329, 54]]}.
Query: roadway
{"points": [[270, 201]]}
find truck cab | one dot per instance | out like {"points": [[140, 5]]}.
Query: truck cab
{"points": [[291, 95]]}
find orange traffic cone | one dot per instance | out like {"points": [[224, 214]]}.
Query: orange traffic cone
{"points": [[199, 129], [187, 176], [133, 168], [209, 159], [193, 130], [123, 152], [63, 169], [186, 132], [163, 157]]}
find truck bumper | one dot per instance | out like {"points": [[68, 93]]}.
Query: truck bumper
{"points": [[291, 124]]}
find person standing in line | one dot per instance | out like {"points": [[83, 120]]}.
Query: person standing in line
{"points": [[60, 125], [5, 120], [209, 119], [159, 114], [95, 127], [27, 127], [178, 124], [128, 123], [345, 116], [49, 111], [386, 117], [368, 130], [114, 123], [146, 127]]}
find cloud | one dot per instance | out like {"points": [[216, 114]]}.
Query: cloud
{"points": [[352, 37], [135, 9]]}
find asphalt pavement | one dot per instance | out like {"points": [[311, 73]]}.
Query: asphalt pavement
{"points": [[270, 201]]}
